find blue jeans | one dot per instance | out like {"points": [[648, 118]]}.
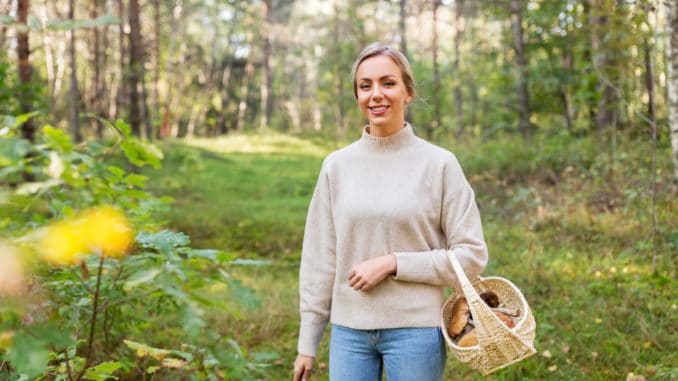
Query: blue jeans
{"points": [[408, 354]]}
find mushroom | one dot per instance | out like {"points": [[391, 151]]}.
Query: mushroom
{"points": [[505, 319], [514, 312], [468, 340], [460, 316], [490, 298]]}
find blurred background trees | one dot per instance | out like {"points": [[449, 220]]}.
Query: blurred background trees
{"points": [[206, 68]]}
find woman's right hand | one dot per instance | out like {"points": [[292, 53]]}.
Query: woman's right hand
{"points": [[303, 367]]}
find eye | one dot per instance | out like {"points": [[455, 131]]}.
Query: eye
{"points": [[389, 83], [364, 86]]}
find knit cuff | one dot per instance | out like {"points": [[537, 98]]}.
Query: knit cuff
{"points": [[310, 334]]}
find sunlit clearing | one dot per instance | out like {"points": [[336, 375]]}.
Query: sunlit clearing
{"points": [[263, 143]]}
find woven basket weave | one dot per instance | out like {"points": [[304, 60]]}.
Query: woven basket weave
{"points": [[498, 346]]}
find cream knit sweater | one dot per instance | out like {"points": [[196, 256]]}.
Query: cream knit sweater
{"points": [[397, 194]]}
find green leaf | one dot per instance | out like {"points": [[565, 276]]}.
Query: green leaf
{"points": [[13, 150], [244, 295], [163, 241], [52, 335], [123, 127], [136, 180], [102, 372], [141, 153], [57, 139], [141, 277], [28, 355]]}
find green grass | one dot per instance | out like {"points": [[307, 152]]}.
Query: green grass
{"points": [[576, 240]]}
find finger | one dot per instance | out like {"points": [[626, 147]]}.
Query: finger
{"points": [[307, 374]]}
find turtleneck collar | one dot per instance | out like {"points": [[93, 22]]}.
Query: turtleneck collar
{"points": [[404, 137]]}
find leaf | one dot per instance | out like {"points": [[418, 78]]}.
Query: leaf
{"points": [[141, 153], [191, 319], [244, 295], [52, 335], [136, 180], [13, 150], [163, 241], [103, 371], [141, 277], [28, 355], [57, 139], [143, 350]]}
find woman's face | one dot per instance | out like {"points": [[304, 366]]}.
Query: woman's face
{"points": [[382, 94]]}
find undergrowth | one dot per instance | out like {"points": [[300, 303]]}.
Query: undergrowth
{"points": [[568, 222]]}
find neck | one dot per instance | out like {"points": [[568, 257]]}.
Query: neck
{"points": [[383, 131]]}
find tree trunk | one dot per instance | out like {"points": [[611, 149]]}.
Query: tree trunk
{"points": [[521, 66], [402, 26], [223, 91], [74, 93], [245, 85], [122, 94], [25, 71], [338, 70], [672, 58], [95, 98], [4, 11], [605, 115], [267, 80], [170, 74], [564, 91], [458, 30], [436, 75], [155, 62], [48, 48], [139, 119]]}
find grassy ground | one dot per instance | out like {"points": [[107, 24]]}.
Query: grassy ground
{"points": [[567, 223]]}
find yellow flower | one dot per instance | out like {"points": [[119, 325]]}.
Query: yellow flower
{"points": [[100, 230], [6, 339], [62, 244], [106, 231]]}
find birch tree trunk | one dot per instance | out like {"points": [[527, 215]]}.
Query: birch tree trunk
{"points": [[521, 66], [436, 73], [338, 69], [245, 86], [458, 31], [267, 76], [155, 63], [605, 115], [122, 92], [74, 93], [672, 64]]}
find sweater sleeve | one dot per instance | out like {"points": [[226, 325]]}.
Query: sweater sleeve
{"points": [[316, 274], [461, 225]]}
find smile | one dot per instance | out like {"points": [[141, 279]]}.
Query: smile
{"points": [[378, 109]]}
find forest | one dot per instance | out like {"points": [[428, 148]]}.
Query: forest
{"points": [[157, 160]]}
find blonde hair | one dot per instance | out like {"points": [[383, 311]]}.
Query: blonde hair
{"points": [[377, 49]]}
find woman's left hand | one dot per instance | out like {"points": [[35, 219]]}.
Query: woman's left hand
{"points": [[369, 273]]}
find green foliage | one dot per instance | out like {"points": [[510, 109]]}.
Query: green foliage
{"points": [[567, 222], [74, 320]]}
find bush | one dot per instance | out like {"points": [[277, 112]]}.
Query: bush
{"points": [[96, 313]]}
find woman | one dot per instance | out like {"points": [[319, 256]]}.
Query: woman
{"points": [[374, 261]]}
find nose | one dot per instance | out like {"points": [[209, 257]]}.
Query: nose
{"points": [[376, 91]]}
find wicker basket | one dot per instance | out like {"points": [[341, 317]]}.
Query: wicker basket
{"points": [[498, 346]]}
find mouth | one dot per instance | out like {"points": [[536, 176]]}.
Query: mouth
{"points": [[379, 109]]}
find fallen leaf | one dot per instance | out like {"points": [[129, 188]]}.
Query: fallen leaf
{"points": [[553, 368], [594, 354], [635, 377], [647, 344], [546, 354]]}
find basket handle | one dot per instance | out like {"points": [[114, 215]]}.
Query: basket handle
{"points": [[466, 287]]}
